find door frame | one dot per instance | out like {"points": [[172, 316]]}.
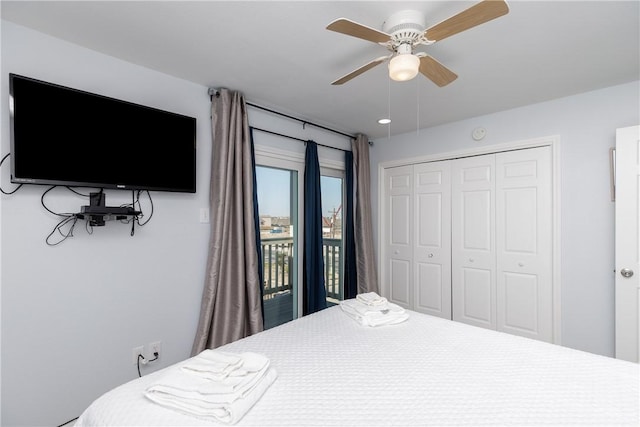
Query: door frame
{"points": [[552, 141]]}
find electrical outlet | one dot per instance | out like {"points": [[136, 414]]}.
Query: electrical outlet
{"points": [[155, 347], [135, 352]]}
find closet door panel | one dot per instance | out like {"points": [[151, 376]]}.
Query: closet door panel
{"points": [[518, 208], [400, 276], [429, 292], [476, 206], [524, 233], [520, 295], [476, 296], [432, 248], [473, 241], [399, 235]]}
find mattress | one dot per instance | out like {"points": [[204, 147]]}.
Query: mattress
{"points": [[425, 371]]}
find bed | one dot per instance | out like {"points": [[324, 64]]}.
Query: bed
{"points": [[426, 371]]}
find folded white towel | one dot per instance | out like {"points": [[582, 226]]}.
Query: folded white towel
{"points": [[191, 389], [389, 314], [188, 383], [202, 407], [371, 298], [371, 310], [213, 364]]}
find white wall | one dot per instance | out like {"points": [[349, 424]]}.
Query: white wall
{"points": [[586, 124], [71, 314]]}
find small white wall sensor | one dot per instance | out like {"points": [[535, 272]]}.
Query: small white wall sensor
{"points": [[479, 133]]}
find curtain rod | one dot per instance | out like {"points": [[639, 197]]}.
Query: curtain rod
{"points": [[304, 122], [293, 137], [213, 92]]}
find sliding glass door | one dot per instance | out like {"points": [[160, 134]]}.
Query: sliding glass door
{"points": [[280, 200], [278, 212]]}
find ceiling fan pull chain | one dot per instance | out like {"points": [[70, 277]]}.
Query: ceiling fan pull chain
{"points": [[389, 108], [417, 108]]}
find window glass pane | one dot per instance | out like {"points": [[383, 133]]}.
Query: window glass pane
{"points": [[277, 204], [332, 236]]}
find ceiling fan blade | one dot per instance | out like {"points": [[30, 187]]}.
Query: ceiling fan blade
{"points": [[478, 14], [361, 70], [350, 28], [436, 72]]}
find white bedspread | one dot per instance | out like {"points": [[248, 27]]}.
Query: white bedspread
{"points": [[425, 371]]}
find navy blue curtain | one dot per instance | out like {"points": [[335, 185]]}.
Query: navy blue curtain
{"points": [[256, 217], [350, 274], [314, 295]]}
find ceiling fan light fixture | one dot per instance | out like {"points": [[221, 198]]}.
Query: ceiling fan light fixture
{"points": [[405, 30], [404, 67]]}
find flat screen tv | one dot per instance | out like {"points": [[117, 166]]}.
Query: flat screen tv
{"points": [[64, 136]]}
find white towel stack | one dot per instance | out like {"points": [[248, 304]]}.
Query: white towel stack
{"points": [[214, 385], [370, 309]]}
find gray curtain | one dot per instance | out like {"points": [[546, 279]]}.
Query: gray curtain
{"points": [[367, 275], [231, 302]]}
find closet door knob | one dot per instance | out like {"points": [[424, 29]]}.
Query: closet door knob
{"points": [[626, 272], [520, 264], [396, 252], [470, 259], [430, 255]]}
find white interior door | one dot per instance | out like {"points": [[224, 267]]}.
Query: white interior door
{"points": [[432, 247], [399, 235], [523, 243], [473, 251], [627, 244]]}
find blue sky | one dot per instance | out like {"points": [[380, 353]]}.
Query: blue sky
{"points": [[273, 192]]}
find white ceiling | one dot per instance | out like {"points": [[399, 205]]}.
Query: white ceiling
{"points": [[281, 56]]}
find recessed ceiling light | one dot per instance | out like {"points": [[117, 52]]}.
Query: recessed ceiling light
{"points": [[384, 121]]}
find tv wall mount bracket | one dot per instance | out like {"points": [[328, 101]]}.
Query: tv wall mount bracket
{"points": [[97, 213]]}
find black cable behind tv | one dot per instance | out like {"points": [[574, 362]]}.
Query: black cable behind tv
{"points": [[97, 212]]}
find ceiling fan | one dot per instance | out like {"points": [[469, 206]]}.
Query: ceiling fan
{"points": [[405, 30]]}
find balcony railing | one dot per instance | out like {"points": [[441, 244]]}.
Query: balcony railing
{"points": [[277, 265], [331, 251], [278, 268]]}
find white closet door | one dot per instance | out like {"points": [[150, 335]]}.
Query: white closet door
{"points": [[432, 247], [473, 250], [523, 243], [399, 235]]}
